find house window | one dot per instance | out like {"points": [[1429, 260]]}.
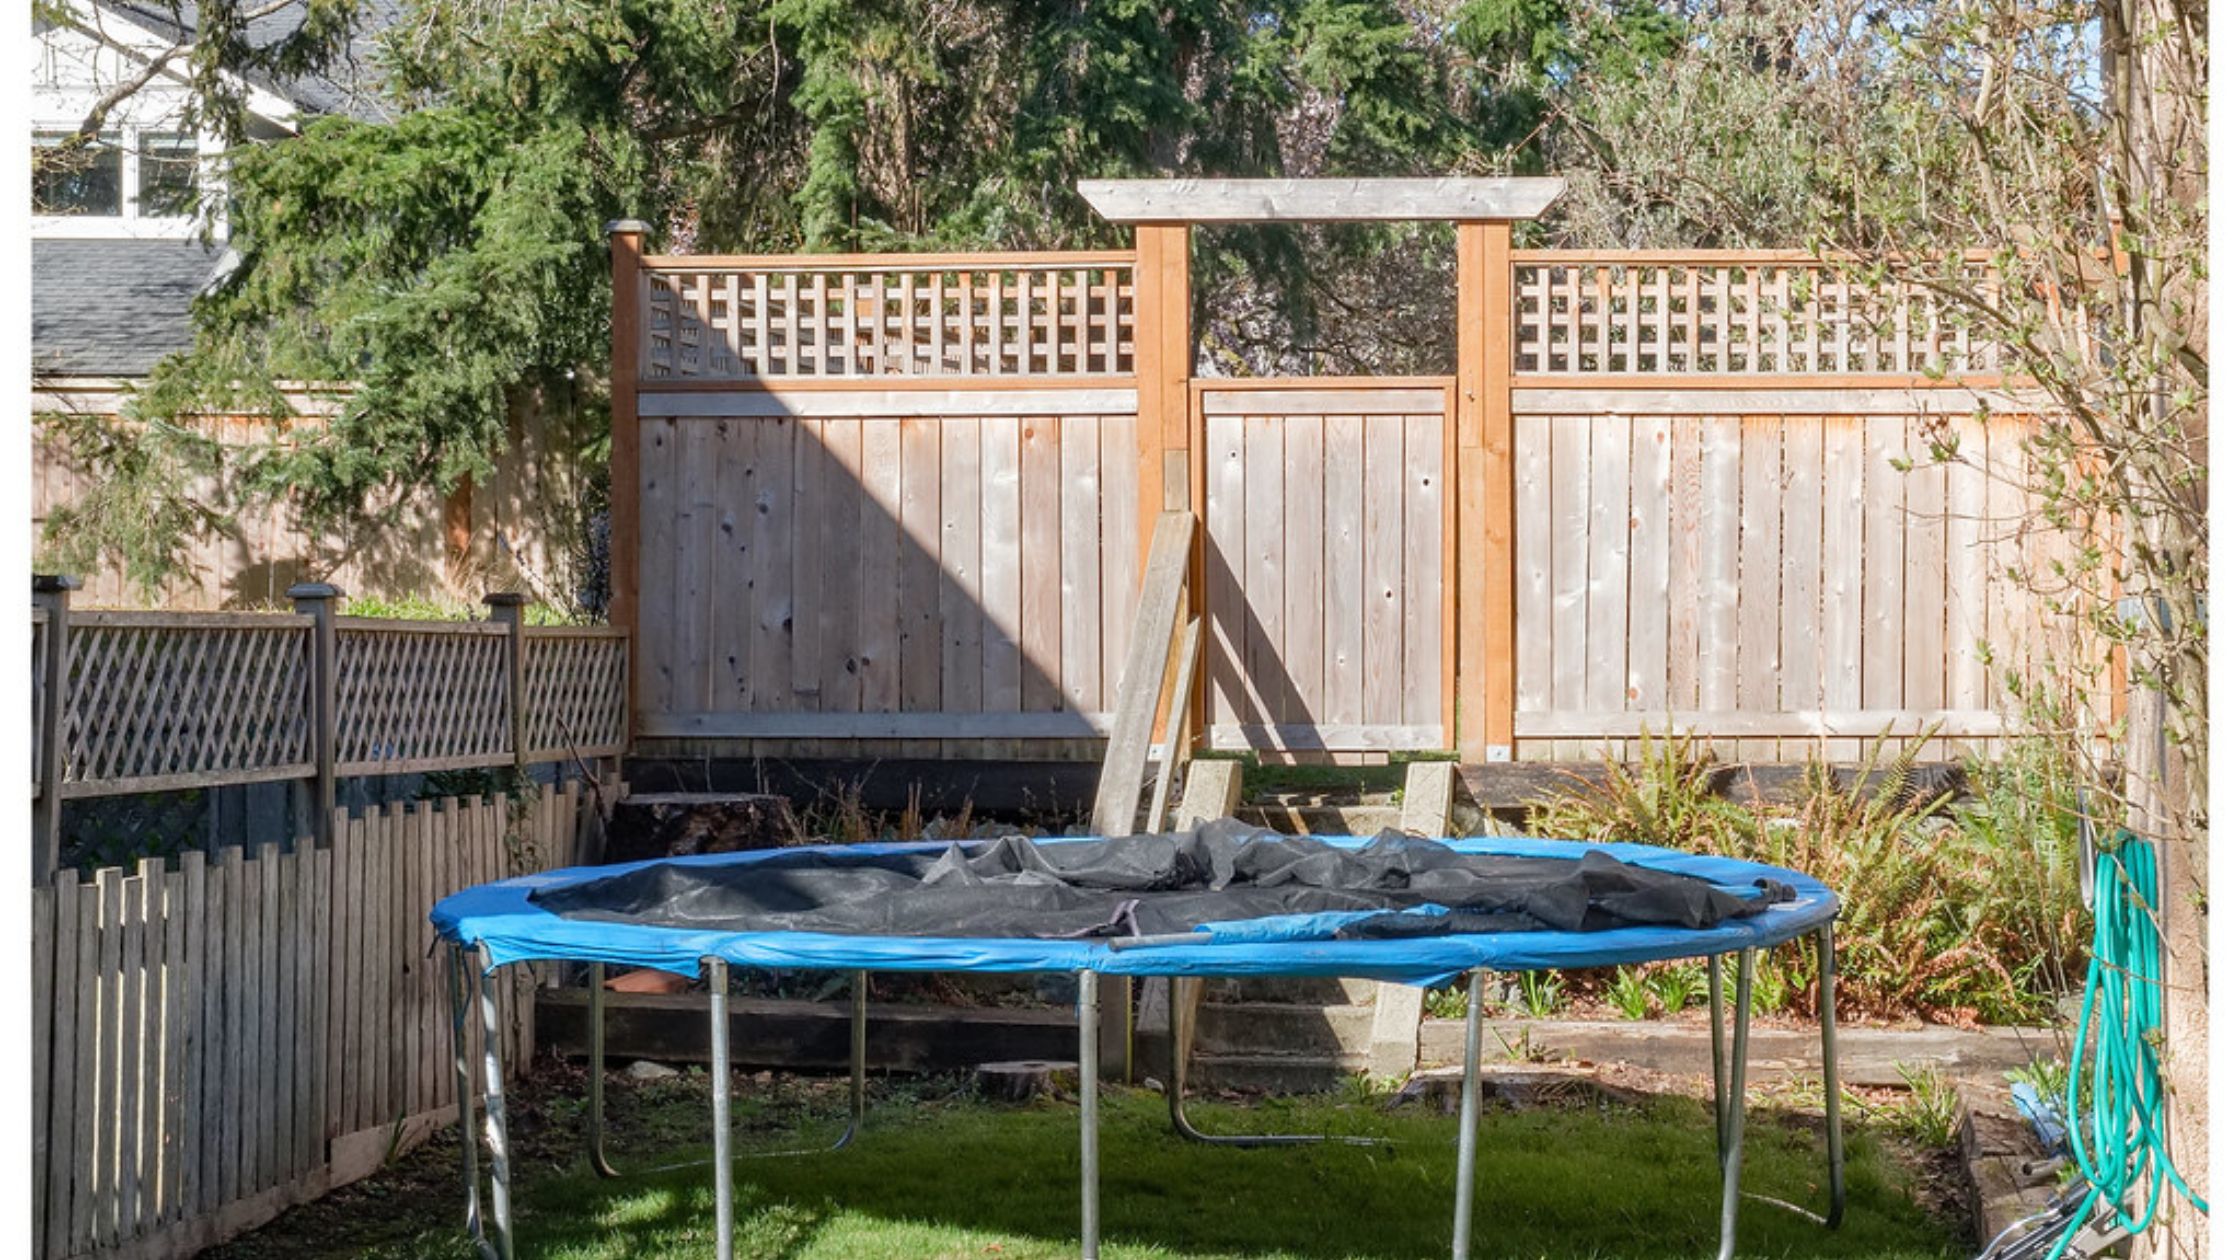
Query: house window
{"points": [[167, 175], [88, 180]]}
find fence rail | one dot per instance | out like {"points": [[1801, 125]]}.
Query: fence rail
{"points": [[962, 316], [151, 702]]}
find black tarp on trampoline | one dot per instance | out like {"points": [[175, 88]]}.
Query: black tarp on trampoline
{"points": [[1223, 872]]}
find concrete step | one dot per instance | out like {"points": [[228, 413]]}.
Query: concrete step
{"points": [[1271, 1073], [1284, 1030], [1315, 818], [1308, 990]]}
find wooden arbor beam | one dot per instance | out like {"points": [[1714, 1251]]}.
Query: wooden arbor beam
{"points": [[1317, 200]]}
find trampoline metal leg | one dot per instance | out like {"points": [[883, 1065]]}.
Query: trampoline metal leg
{"points": [[1178, 1063], [494, 1111], [455, 980], [1831, 1079], [1473, 1098], [596, 1015], [1088, 1053], [1716, 983], [719, 1080], [1730, 1155]]}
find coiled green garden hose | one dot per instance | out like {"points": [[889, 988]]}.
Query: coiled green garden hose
{"points": [[2123, 997]]}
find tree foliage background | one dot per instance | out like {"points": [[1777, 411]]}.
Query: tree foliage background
{"points": [[452, 257]]}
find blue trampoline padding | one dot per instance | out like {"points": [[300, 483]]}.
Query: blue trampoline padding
{"points": [[501, 918]]}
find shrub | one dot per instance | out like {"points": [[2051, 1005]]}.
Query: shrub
{"points": [[1951, 918]]}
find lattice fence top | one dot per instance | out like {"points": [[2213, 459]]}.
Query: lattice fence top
{"points": [[420, 696], [575, 683], [158, 701], [1734, 315], [992, 315]]}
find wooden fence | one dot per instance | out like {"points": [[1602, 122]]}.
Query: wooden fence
{"points": [[127, 702], [1327, 564], [1689, 490], [216, 1041]]}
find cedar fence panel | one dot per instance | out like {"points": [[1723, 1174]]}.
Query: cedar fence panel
{"points": [[1769, 582], [219, 1041], [1327, 576], [846, 571], [876, 505]]}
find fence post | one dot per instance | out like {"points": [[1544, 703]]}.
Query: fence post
{"points": [[626, 248], [317, 599], [1484, 610], [505, 609], [51, 591]]}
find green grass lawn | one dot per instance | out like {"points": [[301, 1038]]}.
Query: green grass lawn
{"points": [[952, 1177]]}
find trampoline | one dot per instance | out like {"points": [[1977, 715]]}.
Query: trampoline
{"points": [[1225, 900]]}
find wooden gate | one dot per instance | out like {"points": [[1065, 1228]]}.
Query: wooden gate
{"points": [[1328, 562]]}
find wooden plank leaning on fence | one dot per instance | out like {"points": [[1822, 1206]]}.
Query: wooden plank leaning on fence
{"points": [[1160, 628]]}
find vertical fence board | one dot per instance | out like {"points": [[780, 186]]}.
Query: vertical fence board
{"points": [[1384, 560], [1427, 699], [920, 602], [1535, 577], [773, 637], [1343, 552], [1118, 552], [1842, 567], [1079, 540], [1801, 634], [1568, 499], [71, 1069], [1261, 629], [1758, 621], [194, 902], [1042, 571], [657, 570], [879, 617], [236, 1079], [43, 952], [96, 1055], [1000, 561], [1649, 571], [1720, 609], [961, 616], [1882, 565], [1966, 578], [1684, 599], [1610, 448], [1925, 581], [840, 681], [1301, 514]]}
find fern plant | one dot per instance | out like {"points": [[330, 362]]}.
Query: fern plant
{"points": [[1629, 993], [1678, 985]]}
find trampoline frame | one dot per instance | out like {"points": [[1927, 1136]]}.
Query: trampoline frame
{"points": [[494, 1238]]}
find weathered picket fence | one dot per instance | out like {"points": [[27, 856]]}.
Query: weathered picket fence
{"points": [[218, 1041], [218, 1038]]}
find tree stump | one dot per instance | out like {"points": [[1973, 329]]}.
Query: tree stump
{"points": [[1024, 1080], [681, 824]]}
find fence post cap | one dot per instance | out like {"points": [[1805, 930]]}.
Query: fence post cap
{"points": [[628, 227], [314, 590], [54, 583]]}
